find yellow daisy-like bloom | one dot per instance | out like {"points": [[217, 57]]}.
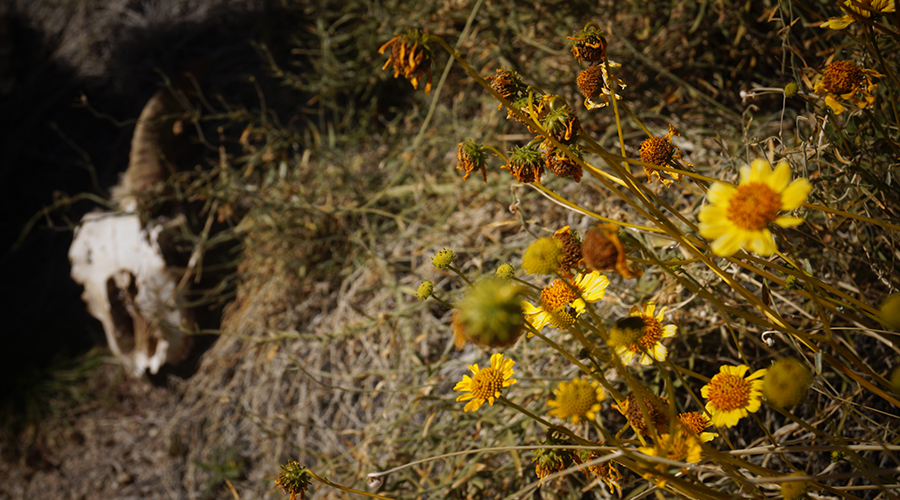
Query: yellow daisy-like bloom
{"points": [[577, 399], [562, 302], [730, 396], [737, 216], [848, 81], [696, 423], [648, 341], [681, 447], [861, 8], [486, 384]]}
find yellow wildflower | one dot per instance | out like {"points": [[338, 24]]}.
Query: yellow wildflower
{"points": [[696, 423], [858, 8], [562, 302], [737, 216], [730, 396], [577, 399], [486, 384], [647, 340]]}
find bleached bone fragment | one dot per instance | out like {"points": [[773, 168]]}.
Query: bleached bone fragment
{"points": [[129, 288]]}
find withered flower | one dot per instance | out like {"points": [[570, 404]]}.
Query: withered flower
{"points": [[602, 251], [470, 157], [660, 151], [526, 164], [571, 251], [595, 84], [561, 122], [589, 45], [564, 166], [848, 81], [657, 410], [507, 83], [410, 56]]}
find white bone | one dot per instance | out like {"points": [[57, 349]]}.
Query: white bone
{"points": [[130, 289]]}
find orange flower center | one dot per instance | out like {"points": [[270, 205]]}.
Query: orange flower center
{"points": [[729, 392], [486, 383], [557, 295], [694, 421], [842, 77], [554, 300], [656, 150], [753, 206], [675, 448], [652, 331]]}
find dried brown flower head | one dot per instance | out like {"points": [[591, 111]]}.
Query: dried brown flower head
{"points": [[564, 166], [571, 252], [507, 83], [602, 251], [657, 410], [660, 151], [589, 45]]}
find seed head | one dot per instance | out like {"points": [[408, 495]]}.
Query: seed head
{"points": [[791, 89], [792, 490], [890, 312]]}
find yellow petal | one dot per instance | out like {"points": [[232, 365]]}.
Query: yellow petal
{"points": [[788, 221], [728, 243], [720, 193], [837, 23], [758, 172], [780, 177], [835, 106], [795, 194]]}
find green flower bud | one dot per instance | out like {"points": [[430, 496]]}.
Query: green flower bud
{"points": [[895, 379], [890, 312], [792, 490], [786, 382], [443, 259], [505, 271], [425, 290], [543, 256], [792, 282], [790, 90], [491, 313]]}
